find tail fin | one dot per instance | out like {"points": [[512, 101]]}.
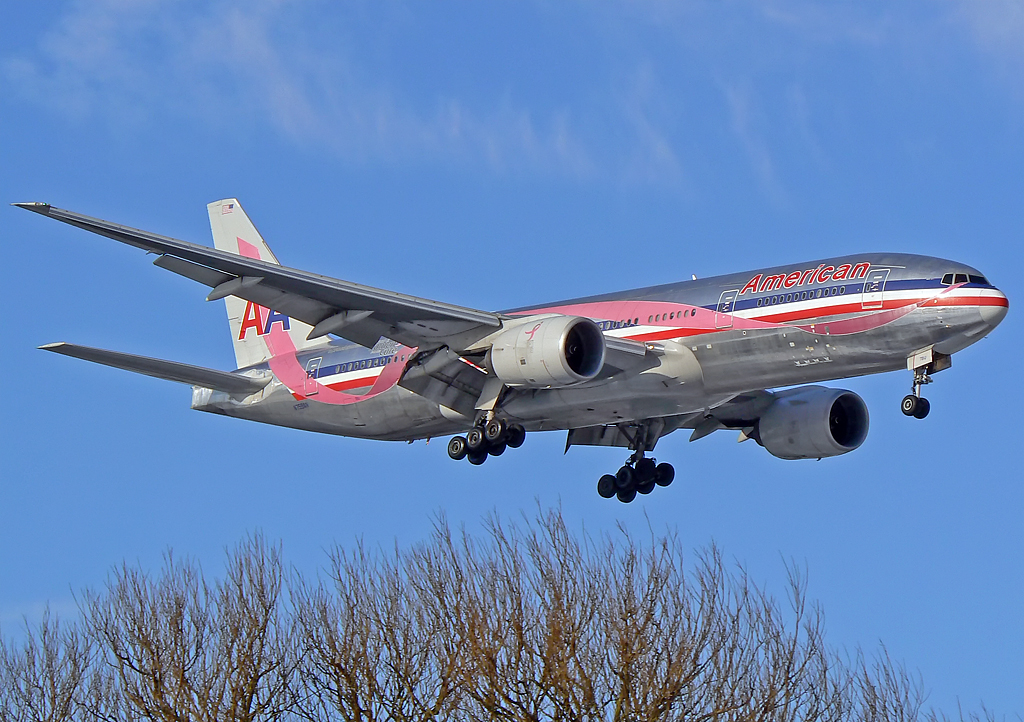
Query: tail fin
{"points": [[234, 232]]}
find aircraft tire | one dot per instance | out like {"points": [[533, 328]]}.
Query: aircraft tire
{"points": [[645, 470], [496, 449], [923, 407], [477, 457], [606, 486], [516, 435], [625, 479], [495, 430], [457, 448], [475, 439], [664, 474], [626, 496], [646, 487], [909, 405]]}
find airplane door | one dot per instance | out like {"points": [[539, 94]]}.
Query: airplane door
{"points": [[723, 313], [310, 387], [874, 288]]}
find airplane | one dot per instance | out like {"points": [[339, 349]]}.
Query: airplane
{"points": [[744, 351]]}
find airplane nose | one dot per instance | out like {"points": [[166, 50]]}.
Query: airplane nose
{"points": [[992, 315]]}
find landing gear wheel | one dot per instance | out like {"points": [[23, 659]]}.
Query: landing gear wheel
{"points": [[910, 405], [607, 486], [923, 407], [477, 457], [664, 474], [626, 496], [496, 449], [646, 487], [494, 431], [516, 436], [457, 448], [625, 480], [645, 469], [475, 439]]}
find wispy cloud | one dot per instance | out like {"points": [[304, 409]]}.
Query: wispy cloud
{"points": [[243, 63], [997, 27], [650, 107], [644, 105], [747, 125]]}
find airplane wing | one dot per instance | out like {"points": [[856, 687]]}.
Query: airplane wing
{"points": [[359, 313], [739, 411]]}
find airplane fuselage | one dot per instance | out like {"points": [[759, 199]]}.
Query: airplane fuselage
{"points": [[716, 338]]}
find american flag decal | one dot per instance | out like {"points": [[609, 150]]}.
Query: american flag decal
{"points": [[227, 208]]}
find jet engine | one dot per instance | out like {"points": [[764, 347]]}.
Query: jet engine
{"points": [[547, 352], [813, 422]]}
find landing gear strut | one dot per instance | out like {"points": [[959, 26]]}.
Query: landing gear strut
{"points": [[490, 439], [914, 404], [638, 475]]}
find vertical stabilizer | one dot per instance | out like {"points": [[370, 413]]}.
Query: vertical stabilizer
{"points": [[250, 323]]}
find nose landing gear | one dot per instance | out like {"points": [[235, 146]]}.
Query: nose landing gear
{"points": [[914, 404]]}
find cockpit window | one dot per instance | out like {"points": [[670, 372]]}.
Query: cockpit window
{"points": [[947, 280], [960, 278], [980, 280]]}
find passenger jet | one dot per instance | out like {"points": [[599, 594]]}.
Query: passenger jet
{"points": [[743, 351]]}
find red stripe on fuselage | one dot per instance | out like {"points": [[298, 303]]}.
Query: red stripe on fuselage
{"points": [[830, 311]]}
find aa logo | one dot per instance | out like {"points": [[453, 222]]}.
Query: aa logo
{"points": [[261, 319]]}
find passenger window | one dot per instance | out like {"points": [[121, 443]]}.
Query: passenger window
{"points": [[947, 280], [842, 290], [658, 317], [672, 315], [650, 319], [960, 278]]}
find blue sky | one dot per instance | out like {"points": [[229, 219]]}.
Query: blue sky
{"points": [[496, 155]]}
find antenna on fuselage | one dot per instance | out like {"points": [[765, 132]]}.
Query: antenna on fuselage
{"points": [[693, 276]]}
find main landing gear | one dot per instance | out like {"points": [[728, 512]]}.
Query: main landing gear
{"points": [[491, 439], [914, 404], [638, 475]]}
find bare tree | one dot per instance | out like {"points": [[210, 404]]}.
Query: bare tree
{"points": [[527, 621], [181, 650], [44, 678]]}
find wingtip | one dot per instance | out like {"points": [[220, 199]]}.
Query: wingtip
{"points": [[51, 346], [35, 207]]}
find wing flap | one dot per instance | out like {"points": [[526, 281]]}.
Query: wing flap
{"points": [[234, 384]]}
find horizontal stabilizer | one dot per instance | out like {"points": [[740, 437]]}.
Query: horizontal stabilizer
{"points": [[234, 384]]}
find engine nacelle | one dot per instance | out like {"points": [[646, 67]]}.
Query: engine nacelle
{"points": [[813, 422], [550, 351]]}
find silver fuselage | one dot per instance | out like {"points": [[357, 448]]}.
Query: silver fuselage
{"points": [[718, 337]]}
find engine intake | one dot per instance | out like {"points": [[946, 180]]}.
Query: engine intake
{"points": [[548, 352], [813, 422]]}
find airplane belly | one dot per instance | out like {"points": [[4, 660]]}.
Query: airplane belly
{"points": [[674, 386], [395, 414]]}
